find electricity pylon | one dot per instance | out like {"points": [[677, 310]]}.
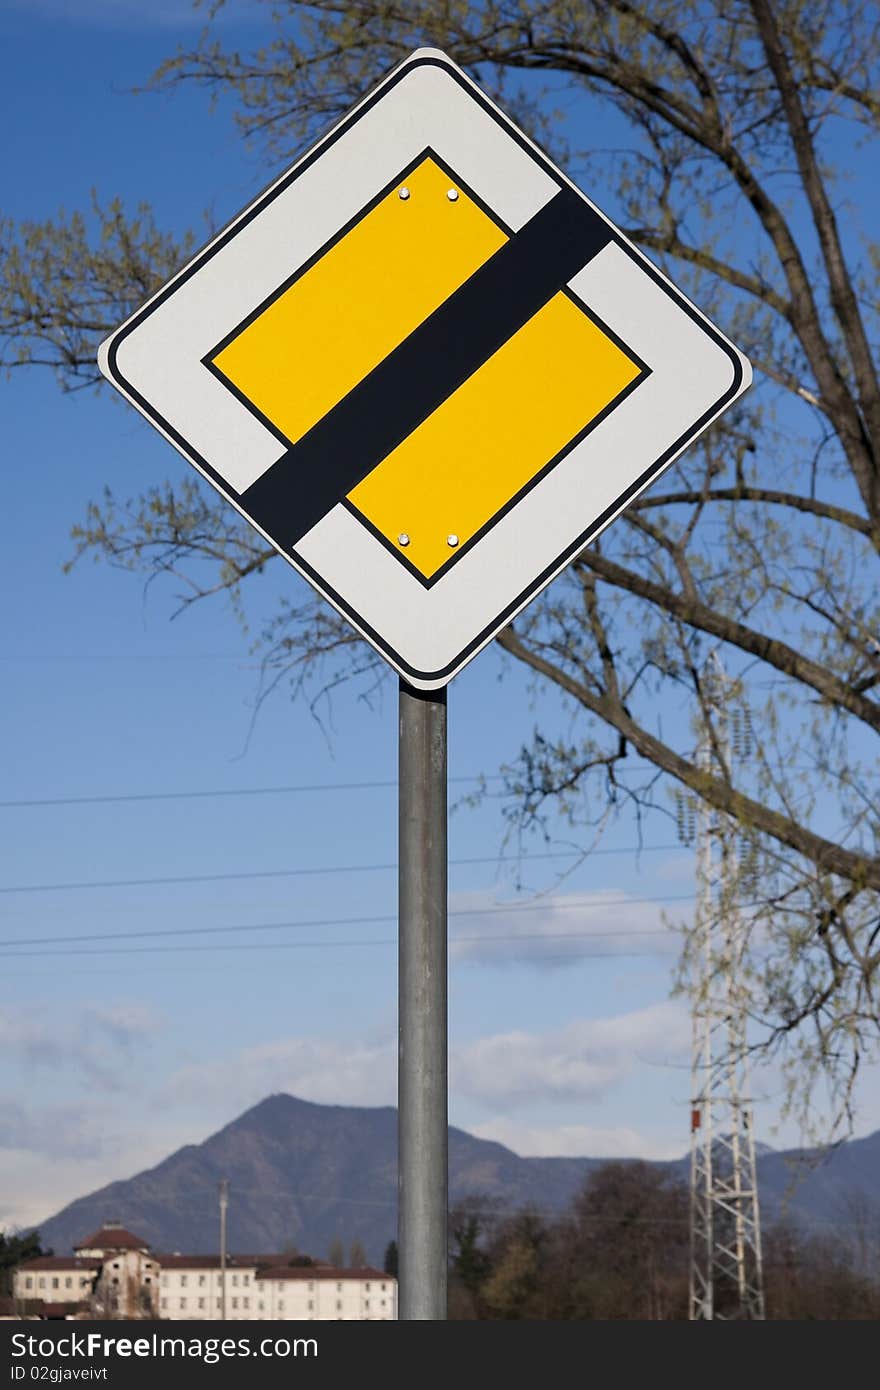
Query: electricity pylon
{"points": [[726, 1278]]}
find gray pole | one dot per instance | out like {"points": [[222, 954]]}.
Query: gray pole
{"points": [[224, 1203], [422, 1114]]}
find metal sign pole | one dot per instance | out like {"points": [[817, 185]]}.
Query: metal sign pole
{"points": [[422, 1087]]}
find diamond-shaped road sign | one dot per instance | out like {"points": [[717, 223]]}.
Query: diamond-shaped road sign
{"points": [[425, 367]]}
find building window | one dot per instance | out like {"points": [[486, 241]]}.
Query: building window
{"points": [[244, 1280], [311, 1286], [201, 1303], [29, 1283], [218, 1302], [235, 1303], [279, 1286], [311, 1304], [68, 1283], [280, 1304], [201, 1281], [339, 1305], [261, 1306], [367, 1286], [41, 1283], [115, 1278], [115, 1264], [366, 1303], [146, 1278], [183, 1281], [164, 1281], [83, 1283], [383, 1288], [183, 1303], [245, 1303], [164, 1303], [54, 1283], [339, 1288], [235, 1281]]}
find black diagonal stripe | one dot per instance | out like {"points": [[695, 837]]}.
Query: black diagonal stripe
{"points": [[418, 376]]}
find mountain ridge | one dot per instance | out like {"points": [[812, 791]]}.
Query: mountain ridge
{"points": [[303, 1174]]}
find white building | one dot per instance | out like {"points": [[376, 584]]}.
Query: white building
{"points": [[52, 1279], [267, 1286], [115, 1274], [111, 1274]]}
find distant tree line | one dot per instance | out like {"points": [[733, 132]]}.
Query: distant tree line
{"points": [[621, 1251], [16, 1246], [357, 1255]]}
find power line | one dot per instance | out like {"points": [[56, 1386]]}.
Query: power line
{"points": [[499, 1207], [357, 921], [256, 874], [239, 966], [494, 1206], [218, 792], [123, 656], [309, 945], [295, 873]]}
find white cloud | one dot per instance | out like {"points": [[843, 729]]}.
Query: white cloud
{"points": [[33, 1186], [553, 932], [31, 1038], [98, 1043], [577, 1141], [676, 868], [577, 1062], [124, 1024], [330, 1072], [51, 1155], [55, 1131]]}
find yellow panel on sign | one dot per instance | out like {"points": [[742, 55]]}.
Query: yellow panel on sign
{"points": [[334, 324], [492, 436]]}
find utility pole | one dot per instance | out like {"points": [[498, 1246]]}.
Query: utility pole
{"points": [[224, 1203], [422, 1066], [726, 1276]]}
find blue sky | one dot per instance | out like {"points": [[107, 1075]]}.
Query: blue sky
{"points": [[109, 1058]]}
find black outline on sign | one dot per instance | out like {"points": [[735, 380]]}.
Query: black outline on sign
{"points": [[262, 201], [428, 582]]}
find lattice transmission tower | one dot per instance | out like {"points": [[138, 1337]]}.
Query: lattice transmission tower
{"points": [[726, 1278]]}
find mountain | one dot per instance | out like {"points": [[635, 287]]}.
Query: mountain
{"points": [[301, 1174], [834, 1188]]}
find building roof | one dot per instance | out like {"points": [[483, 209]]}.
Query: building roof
{"points": [[267, 1266], [320, 1272], [112, 1236], [179, 1261], [59, 1262]]}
